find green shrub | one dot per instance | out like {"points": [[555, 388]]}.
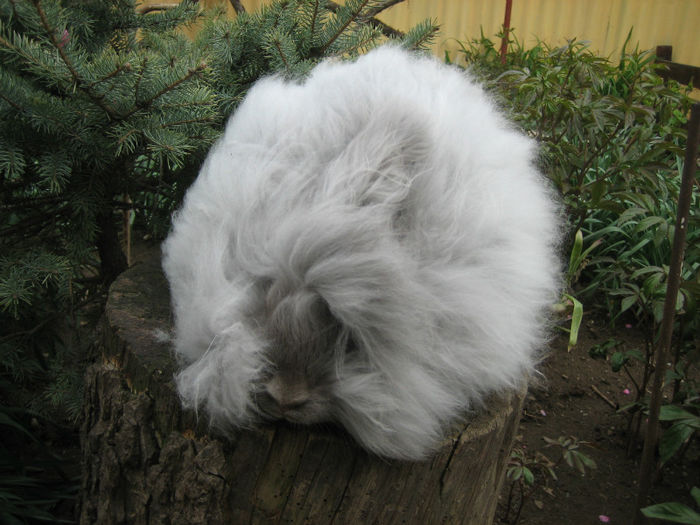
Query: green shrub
{"points": [[612, 138]]}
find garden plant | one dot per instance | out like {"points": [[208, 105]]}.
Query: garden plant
{"points": [[612, 136]]}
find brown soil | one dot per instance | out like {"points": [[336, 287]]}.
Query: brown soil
{"points": [[567, 405]]}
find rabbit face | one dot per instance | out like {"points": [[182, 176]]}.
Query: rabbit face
{"points": [[304, 344]]}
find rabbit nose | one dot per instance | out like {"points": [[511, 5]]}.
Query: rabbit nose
{"points": [[288, 393]]}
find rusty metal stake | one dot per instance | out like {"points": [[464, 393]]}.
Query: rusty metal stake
{"points": [[506, 31], [648, 463]]}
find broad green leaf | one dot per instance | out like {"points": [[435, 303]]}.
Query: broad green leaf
{"points": [[627, 303], [617, 361], [672, 439], [515, 473], [674, 412], [576, 319], [629, 214], [648, 222], [598, 191], [674, 512], [575, 252], [586, 460], [645, 270], [695, 493], [635, 354]]}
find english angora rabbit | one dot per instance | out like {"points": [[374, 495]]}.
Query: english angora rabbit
{"points": [[372, 246]]}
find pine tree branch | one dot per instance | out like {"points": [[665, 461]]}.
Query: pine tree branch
{"points": [[138, 79], [12, 203], [11, 102], [60, 124], [123, 138], [278, 46], [425, 38], [343, 27], [38, 222], [79, 82], [369, 37], [146, 103], [122, 67], [189, 121], [312, 29], [386, 29], [187, 104], [237, 6], [28, 58]]}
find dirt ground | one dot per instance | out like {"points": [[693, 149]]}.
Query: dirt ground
{"points": [[567, 405]]}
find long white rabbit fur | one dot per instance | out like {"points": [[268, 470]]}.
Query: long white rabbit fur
{"points": [[373, 246]]}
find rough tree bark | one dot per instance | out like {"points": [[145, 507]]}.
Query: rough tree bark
{"points": [[146, 461]]}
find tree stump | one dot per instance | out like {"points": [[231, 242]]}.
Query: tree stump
{"points": [[148, 461]]}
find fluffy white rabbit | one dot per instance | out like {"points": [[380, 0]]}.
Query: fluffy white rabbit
{"points": [[373, 246]]}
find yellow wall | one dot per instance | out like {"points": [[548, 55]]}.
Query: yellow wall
{"points": [[605, 23]]}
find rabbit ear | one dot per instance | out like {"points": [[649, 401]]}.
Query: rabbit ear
{"points": [[387, 151]]}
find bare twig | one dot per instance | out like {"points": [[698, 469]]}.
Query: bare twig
{"points": [[145, 9], [634, 382], [374, 12], [604, 397], [278, 46], [11, 102], [386, 30], [188, 121], [237, 6], [30, 332], [312, 31], [506, 31]]}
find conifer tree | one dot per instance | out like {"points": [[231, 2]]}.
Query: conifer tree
{"points": [[103, 109], [99, 102]]}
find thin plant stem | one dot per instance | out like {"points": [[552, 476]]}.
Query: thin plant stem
{"points": [[646, 471]]}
